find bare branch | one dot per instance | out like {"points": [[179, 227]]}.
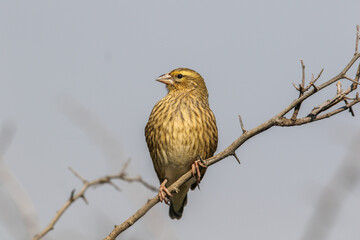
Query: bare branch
{"points": [[86, 185], [284, 122], [277, 120], [303, 89]]}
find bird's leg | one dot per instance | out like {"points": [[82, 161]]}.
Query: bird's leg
{"points": [[164, 192], [195, 169]]}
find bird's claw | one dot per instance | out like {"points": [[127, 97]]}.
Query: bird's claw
{"points": [[195, 169], [164, 193]]}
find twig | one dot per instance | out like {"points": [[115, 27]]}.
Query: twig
{"points": [[338, 87], [350, 79], [296, 87], [312, 82], [301, 90], [86, 185], [303, 74], [297, 107], [277, 120], [284, 122]]}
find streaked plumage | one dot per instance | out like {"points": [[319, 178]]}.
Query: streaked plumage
{"points": [[181, 127]]}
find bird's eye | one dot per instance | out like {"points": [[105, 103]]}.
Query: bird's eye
{"points": [[179, 76]]}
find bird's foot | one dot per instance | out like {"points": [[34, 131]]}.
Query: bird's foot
{"points": [[195, 169], [164, 193]]}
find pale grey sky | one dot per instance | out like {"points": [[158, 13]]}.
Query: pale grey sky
{"points": [[78, 80]]}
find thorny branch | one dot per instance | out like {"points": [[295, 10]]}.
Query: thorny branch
{"points": [[318, 113], [122, 175]]}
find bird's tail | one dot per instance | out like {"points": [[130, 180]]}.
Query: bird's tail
{"points": [[177, 204]]}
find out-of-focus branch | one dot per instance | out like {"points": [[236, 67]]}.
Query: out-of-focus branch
{"points": [[122, 175], [278, 120], [15, 190], [334, 194]]}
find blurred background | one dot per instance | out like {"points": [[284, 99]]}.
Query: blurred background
{"points": [[77, 84]]}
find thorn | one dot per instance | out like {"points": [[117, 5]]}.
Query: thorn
{"points": [[242, 124], [114, 186], [78, 176], [84, 198], [126, 164], [236, 157], [351, 111], [202, 161], [350, 108], [72, 195]]}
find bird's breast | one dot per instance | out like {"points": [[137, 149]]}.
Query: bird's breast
{"points": [[183, 129]]}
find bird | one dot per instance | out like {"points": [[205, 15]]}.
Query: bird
{"points": [[180, 132]]}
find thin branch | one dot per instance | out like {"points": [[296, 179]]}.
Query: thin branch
{"points": [[140, 180], [277, 120], [296, 87], [322, 70], [297, 107], [284, 122], [86, 185], [350, 79], [301, 90], [312, 82]]}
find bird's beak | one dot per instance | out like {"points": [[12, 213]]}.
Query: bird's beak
{"points": [[166, 78]]}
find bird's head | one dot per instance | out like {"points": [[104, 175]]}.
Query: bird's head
{"points": [[184, 79]]}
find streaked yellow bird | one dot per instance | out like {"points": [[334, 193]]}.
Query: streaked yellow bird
{"points": [[180, 132]]}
